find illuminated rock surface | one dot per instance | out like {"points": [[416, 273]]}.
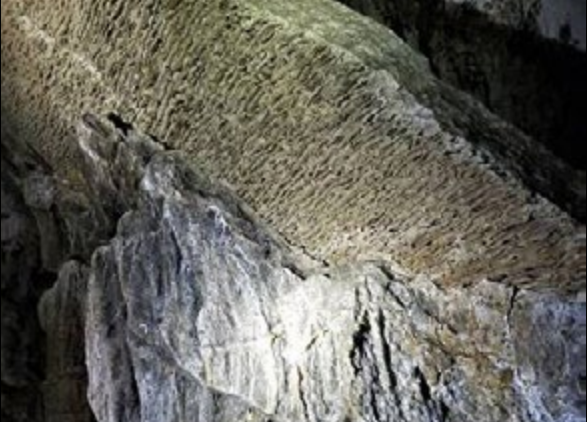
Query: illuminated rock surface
{"points": [[410, 257], [329, 126]]}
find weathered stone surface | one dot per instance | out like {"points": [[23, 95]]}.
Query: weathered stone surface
{"points": [[550, 342], [332, 129], [196, 312]]}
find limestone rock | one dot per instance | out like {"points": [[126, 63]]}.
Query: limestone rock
{"points": [[43, 375], [550, 340], [196, 312]]}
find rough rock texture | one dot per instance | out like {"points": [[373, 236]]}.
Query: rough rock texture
{"points": [[511, 54], [196, 311], [430, 262], [333, 130]]}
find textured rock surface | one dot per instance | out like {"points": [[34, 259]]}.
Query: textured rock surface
{"points": [[321, 120], [437, 262], [504, 54], [196, 312]]}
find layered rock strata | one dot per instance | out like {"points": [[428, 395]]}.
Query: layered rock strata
{"points": [[329, 126]]}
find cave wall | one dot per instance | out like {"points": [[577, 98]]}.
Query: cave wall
{"points": [[334, 130], [560, 20], [523, 59], [62, 313], [435, 253]]}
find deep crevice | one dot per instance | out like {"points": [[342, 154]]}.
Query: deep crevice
{"points": [[425, 389]]}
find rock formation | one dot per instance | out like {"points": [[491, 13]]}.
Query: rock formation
{"points": [[319, 230], [322, 129], [194, 310]]}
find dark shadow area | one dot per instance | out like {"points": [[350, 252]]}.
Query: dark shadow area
{"points": [[38, 383], [23, 283], [536, 83]]}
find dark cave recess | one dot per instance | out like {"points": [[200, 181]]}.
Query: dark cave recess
{"points": [[536, 83]]}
